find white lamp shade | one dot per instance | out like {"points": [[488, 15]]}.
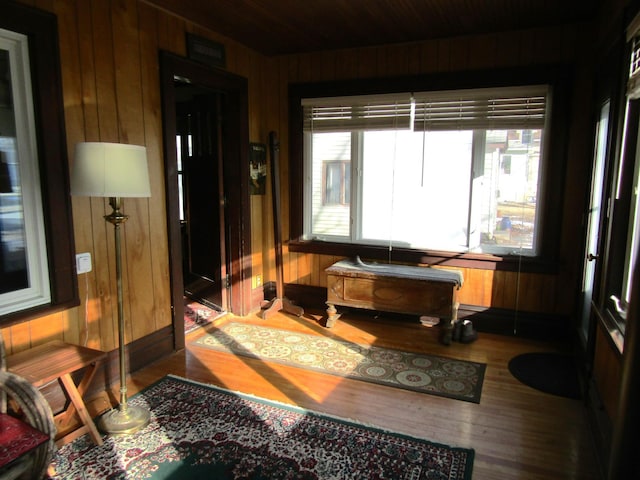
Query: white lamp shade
{"points": [[110, 170]]}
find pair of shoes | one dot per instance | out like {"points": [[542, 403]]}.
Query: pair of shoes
{"points": [[468, 334]]}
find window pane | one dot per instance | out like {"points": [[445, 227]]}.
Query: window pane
{"points": [[415, 188], [330, 152], [505, 192], [333, 183], [13, 259], [634, 235]]}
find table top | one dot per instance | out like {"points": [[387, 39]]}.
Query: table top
{"points": [[47, 362]]}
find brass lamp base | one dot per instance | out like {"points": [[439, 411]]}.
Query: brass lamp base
{"points": [[124, 421]]}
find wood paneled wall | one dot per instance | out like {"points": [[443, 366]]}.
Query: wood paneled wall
{"points": [[110, 75], [109, 54], [530, 292]]}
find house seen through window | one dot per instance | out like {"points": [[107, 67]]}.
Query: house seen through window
{"points": [[454, 171]]}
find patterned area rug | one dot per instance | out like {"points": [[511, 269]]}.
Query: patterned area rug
{"points": [[436, 375], [203, 432], [197, 315]]}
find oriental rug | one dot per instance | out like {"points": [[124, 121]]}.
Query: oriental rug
{"points": [[436, 375], [197, 315], [204, 432]]}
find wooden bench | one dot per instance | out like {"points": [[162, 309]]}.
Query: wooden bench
{"points": [[57, 360], [394, 288]]}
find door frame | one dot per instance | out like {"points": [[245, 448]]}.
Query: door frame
{"points": [[235, 180]]}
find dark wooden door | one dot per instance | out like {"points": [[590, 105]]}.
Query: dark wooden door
{"points": [[202, 224]]}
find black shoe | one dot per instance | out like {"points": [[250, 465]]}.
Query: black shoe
{"points": [[457, 330], [468, 333]]}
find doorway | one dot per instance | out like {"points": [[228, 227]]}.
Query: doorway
{"points": [[199, 169], [206, 141]]}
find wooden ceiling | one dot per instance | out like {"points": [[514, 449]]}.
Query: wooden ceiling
{"points": [[275, 27]]}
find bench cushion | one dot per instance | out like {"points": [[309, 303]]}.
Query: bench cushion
{"points": [[355, 267]]}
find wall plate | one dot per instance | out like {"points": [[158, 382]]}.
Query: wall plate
{"points": [[83, 262]]}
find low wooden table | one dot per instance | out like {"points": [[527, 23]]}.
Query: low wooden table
{"points": [[394, 288], [57, 360]]}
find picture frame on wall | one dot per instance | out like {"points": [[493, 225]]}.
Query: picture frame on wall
{"points": [[257, 168]]}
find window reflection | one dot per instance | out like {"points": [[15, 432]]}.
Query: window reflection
{"points": [[13, 262]]}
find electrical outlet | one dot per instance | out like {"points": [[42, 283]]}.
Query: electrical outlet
{"points": [[83, 262], [258, 280]]}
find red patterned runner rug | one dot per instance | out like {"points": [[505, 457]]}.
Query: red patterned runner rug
{"points": [[202, 431]]}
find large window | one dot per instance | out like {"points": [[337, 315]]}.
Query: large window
{"points": [[23, 255], [625, 215], [453, 171], [37, 273]]}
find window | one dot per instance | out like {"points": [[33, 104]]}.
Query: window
{"points": [[453, 171], [625, 215], [23, 256], [337, 182], [37, 256]]}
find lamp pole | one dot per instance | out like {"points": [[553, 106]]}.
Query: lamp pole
{"points": [[126, 419]]}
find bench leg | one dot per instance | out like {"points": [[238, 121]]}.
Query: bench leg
{"points": [[81, 409], [332, 315]]}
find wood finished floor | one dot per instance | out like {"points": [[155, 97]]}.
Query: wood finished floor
{"points": [[516, 431]]}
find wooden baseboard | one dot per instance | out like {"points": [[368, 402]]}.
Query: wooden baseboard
{"points": [[485, 319]]}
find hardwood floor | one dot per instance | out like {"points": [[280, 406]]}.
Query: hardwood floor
{"points": [[516, 431]]}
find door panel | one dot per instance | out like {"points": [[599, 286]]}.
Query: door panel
{"points": [[203, 254], [594, 221]]}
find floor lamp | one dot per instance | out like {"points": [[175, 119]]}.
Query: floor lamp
{"points": [[114, 170]]}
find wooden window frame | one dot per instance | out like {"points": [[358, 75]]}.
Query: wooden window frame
{"points": [[42, 31], [551, 184]]}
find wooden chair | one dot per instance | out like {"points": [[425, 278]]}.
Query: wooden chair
{"points": [[27, 429]]}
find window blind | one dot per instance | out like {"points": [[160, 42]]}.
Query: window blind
{"points": [[362, 112], [512, 107]]}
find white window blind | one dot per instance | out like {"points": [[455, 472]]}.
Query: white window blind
{"points": [[504, 108], [494, 108], [361, 112]]}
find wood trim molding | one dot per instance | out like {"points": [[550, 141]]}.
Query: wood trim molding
{"points": [[236, 182]]}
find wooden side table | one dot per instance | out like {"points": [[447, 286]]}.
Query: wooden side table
{"points": [[57, 360]]}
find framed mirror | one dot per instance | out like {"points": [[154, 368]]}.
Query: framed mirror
{"points": [[37, 267]]}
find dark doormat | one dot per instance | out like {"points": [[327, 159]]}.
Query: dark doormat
{"points": [[553, 373]]}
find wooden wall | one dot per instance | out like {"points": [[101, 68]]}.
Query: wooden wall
{"points": [[109, 53], [531, 292], [110, 75]]}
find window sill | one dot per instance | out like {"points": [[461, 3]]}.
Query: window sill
{"points": [[464, 260]]}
